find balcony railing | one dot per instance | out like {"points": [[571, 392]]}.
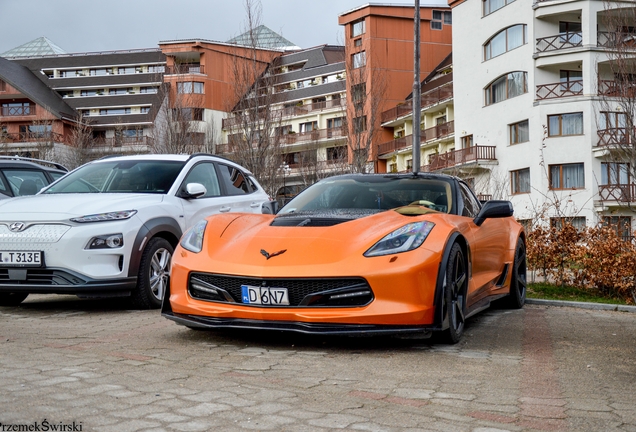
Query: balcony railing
{"points": [[184, 69], [314, 135], [559, 90], [620, 89], [460, 157], [623, 193], [616, 39], [616, 137], [559, 42], [123, 141], [24, 137], [17, 111], [428, 99], [430, 134]]}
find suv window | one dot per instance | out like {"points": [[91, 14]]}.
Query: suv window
{"points": [[234, 180], [471, 205], [25, 182], [205, 174]]}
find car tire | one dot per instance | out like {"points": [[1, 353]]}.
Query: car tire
{"points": [[154, 274], [12, 299], [517, 297], [454, 301]]}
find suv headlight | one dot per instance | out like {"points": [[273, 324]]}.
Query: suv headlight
{"points": [[102, 217], [109, 241], [404, 239], [193, 238]]}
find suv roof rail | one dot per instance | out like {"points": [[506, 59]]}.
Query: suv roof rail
{"points": [[38, 161]]}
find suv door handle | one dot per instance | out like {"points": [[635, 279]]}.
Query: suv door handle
{"points": [[225, 209], [255, 204]]}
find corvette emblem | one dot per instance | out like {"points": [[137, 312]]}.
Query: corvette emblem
{"points": [[272, 255], [17, 226]]}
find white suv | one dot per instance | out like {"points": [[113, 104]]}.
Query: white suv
{"points": [[109, 228]]}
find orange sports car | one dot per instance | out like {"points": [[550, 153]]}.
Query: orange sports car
{"points": [[353, 254]]}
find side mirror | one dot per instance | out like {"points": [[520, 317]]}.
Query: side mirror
{"points": [[270, 207], [494, 209], [194, 190]]}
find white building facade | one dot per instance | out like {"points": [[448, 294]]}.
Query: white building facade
{"points": [[531, 79]]}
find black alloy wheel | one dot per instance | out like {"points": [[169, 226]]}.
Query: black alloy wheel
{"points": [[455, 283], [518, 284]]}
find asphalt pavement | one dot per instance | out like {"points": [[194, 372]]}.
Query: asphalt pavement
{"points": [[94, 366]]}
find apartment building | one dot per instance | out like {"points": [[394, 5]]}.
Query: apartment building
{"points": [[535, 80], [380, 57], [116, 94]]}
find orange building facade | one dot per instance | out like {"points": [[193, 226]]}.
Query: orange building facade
{"points": [[379, 46]]}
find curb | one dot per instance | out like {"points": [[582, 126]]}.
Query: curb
{"points": [[583, 305]]}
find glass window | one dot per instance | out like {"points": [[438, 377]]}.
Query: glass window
{"points": [[204, 173], [567, 176], [25, 182], [614, 173], [504, 41], [126, 70], [519, 132], [621, 224], [359, 59], [148, 89], [520, 181], [492, 5], [190, 87], [577, 222], [357, 28], [360, 124], [440, 18], [471, 204], [234, 180], [506, 87], [565, 124]]}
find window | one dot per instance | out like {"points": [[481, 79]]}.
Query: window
{"points": [[506, 87], [188, 114], [621, 224], [567, 176], [190, 87], [570, 33], [519, 132], [100, 72], [126, 70], [114, 111], [35, 130], [334, 123], [359, 92], [156, 69], [440, 18], [357, 42], [149, 90], [565, 124], [492, 5], [144, 110], [337, 153], [17, 109], [504, 41], [571, 81], [577, 222], [612, 120], [308, 127], [360, 124], [520, 181], [234, 180], [614, 173], [119, 91], [359, 59], [467, 141], [471, 204], [205, 174], [357, 28]]}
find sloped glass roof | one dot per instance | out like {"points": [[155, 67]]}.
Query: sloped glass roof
{"points": [[36, 48], [264, 38]]}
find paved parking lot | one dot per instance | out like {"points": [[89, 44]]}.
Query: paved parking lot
{"points": [[93, 366]]}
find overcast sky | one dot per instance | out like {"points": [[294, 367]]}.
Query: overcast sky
{"points": [[103, 25]]}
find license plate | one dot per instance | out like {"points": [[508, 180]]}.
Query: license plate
{"points": [[264, 295], [21, 258]]}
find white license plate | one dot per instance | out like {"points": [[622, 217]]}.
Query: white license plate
{"points": [[264, 295], [21, 258]]}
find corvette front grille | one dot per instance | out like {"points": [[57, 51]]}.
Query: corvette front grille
{"points": [[302, 292]]}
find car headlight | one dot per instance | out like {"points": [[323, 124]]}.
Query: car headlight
{"points": [[109, 241], [193, 238], [404, 239], [102, 217]]}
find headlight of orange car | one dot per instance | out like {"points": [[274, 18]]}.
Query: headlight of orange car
{"points": [[193, 238], [404, 239]]}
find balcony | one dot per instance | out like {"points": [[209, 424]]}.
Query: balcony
{"points": [[436, 132], [616, 39], [184, 69], [123, 141], [559, 42], [559, 90], [18, 110], [619, 89], [430, 98], [620, 193], [615, 137], [29, 137], [314, 135], [457, 158]]}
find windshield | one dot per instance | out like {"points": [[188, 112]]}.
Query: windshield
{"points": [[372, 193], [131, 176]]}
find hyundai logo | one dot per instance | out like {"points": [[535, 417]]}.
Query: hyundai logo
{"points": [[17, 226]]}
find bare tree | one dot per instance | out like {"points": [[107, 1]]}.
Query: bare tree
{"points": [[80, 145], [366, 88], [254, 141], [617, 91]]}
